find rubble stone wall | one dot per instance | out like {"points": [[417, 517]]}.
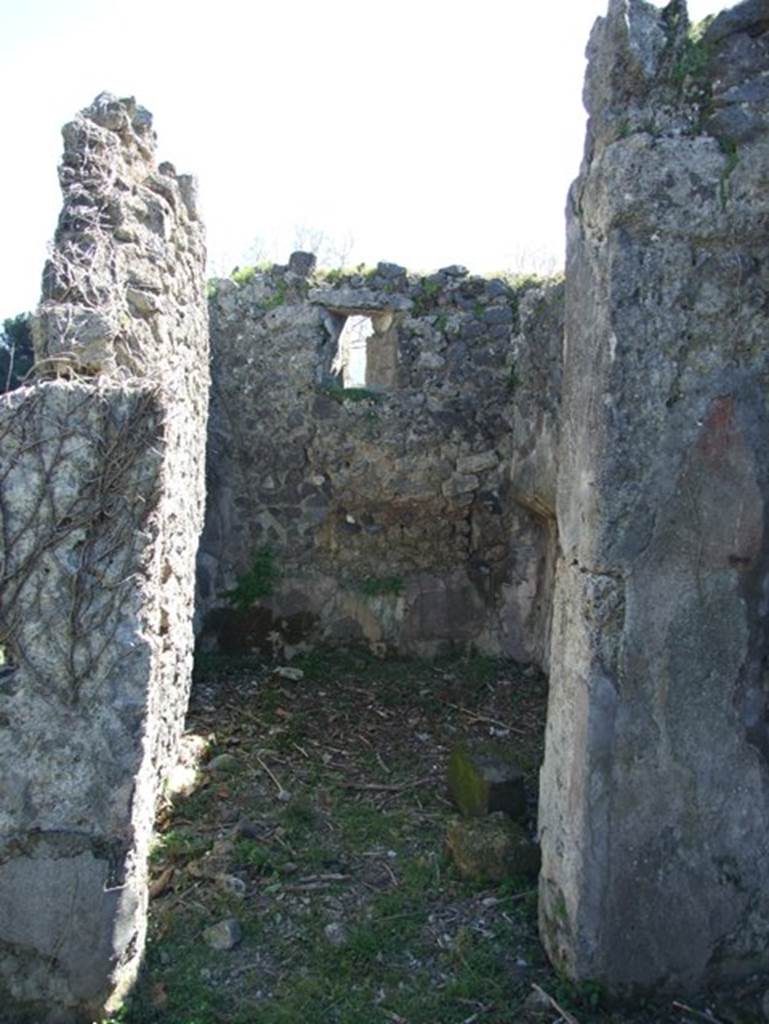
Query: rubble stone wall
{"points": [[387, 514], [101, 504]]}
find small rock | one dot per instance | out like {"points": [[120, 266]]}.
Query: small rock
{"points": [[182, 780], [537, 1002], [231, 884], [335, 933], [459, 484], [224, 764], [225, 935], [246, 829], [390, 270], [286, 672], [302, 263], [498, 315], [477, 463], [483, 778], [214, 862], [491, 849]]}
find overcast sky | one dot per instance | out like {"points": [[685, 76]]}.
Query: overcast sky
{"points": [[424, 132]]}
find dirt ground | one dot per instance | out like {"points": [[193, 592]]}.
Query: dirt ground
{"points": [[312, 849]]}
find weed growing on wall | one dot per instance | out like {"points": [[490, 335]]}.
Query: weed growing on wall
{"points": [[242, 275], [729, 149], [258, 582], [277, 298]]}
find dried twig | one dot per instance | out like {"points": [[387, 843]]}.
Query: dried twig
{"points": [[273, 776], [477, 1015], [485, 719], [381, 787], [391, 873], [329, 876], [568, 1017], [517, 896], [314, 886], [698, 1014]]}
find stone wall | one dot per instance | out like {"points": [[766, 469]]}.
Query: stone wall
{"points": [[386, 514], [101, 495], [654, 810]]}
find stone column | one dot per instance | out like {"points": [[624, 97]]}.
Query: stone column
{"points": [[654, 813], [101, 501]]}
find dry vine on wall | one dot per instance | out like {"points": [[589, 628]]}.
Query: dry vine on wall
{"points": [[78, 489]]}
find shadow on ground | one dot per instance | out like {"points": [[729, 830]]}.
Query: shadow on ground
{"points": [[304, 880]]}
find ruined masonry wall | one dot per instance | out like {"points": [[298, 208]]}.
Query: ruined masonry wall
{"points": [[101, 504], [390, 514]]}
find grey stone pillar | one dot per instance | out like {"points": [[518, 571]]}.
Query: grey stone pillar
{"points": [[101, 500], [654, 811]]}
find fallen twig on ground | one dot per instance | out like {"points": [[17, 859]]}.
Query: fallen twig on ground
{"points": [[695, 1013], [382, 787], [282, 793], [568, 1017], [485, 719]]}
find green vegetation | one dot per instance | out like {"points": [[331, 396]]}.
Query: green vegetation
{"points": [[258, 582], [242, 275], [690, 69], [350, 912], [333, 276], [692, 62], [365, 272], [428, 292], [177, 846], [16, 351], [277, 298]]}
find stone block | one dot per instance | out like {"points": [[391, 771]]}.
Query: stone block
{"points": [[484, 778], [491, 849]]}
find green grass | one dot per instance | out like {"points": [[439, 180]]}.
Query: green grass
{"points": [[359, 842]]}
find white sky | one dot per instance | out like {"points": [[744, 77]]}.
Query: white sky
{"points": [[424, 132]]}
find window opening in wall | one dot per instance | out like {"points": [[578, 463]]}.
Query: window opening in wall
{"points": [[350, 359], [8, 663], [367, 351]]}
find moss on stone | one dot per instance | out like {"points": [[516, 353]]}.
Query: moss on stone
{"points": [[484, 778], [491, 849]]}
